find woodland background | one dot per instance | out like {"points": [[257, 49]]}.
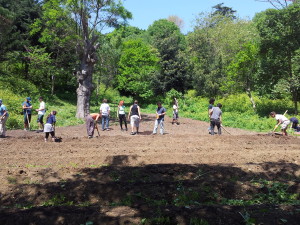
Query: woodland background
{"points": [[56, 49]]}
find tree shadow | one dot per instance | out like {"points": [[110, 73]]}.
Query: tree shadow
{"points": [[157, 194]]}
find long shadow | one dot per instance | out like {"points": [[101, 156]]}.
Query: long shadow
{"points": [[158, 194]]}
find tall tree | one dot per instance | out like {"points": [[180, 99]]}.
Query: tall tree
{"points": [[91, 16], [213, 44], [242, 71], [138, 66], [17, 16], [170, 43], [224, 11], [177, 21], [279, 33]]}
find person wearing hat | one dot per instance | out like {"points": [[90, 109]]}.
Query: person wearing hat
{"points": [[3, 117], [27, 107]]}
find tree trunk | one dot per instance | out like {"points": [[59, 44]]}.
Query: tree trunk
{"points": [[84, 90]]}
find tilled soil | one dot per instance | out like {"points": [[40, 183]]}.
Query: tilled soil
{"points": [[185, 176]]}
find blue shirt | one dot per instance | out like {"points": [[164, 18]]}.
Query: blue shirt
{"points": [[51, 119], [2, 109], [27, 104], [161, 110]]}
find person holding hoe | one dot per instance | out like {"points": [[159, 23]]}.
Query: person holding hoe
{"points": [[49, 127], [3, 117], [210, 106], [160, 117], [27, 107], [91, 123], [281, 120], [216, 119]]}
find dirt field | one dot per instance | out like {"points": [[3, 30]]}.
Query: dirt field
{"points": [[183, 177]]}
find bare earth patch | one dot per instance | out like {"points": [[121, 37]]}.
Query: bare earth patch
{"points": [[183, 177]]}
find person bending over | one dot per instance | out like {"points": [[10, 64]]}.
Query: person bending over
{"points": [[216, 119], [281, 120], [49, 127]]}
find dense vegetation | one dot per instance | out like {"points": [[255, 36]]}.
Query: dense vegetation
{"points": [[48, 48]]}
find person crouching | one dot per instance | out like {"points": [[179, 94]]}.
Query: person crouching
{"points": [[91, 123], [49, 127]]}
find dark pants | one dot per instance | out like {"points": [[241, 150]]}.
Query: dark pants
{"points": [[47, 134], [213, 123], [27, 118], [295, 126], [122, 118], [90, 125]]}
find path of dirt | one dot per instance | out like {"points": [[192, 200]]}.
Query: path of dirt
{"points": [[119, 178]]}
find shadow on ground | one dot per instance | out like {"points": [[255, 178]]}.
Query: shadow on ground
{"points": [[157, 194]]}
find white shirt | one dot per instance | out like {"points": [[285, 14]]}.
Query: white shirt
{"points": [[42, 106], [104, 108], [281, 118], [175, 108]]}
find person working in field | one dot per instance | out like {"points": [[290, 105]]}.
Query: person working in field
{"points": [[216, 119], [175, 112], [105, 111], [49, 127], [281, 120], [91, 123], [41, 112], [27, 107], [160, 115], [122, 115], [210, 106], [135, 117], [295, 124], [3, 118]]}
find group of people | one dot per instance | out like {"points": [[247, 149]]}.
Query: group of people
{"points": [[134, 116], [48, 128], [284, 123]]}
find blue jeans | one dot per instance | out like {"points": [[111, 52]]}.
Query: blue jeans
{"points": [[105, 121], [161, 123]]}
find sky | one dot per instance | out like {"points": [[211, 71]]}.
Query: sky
{"points": [[145, 12]]}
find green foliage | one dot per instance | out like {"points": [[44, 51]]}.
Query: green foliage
{"points": [[137, 65], [241, 71], [165, 36], [279, 42]]}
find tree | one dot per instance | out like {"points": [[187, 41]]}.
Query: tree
{"points": [[279, 33], [165, 36], [91, 16], [15, 20], [177, 21], [137, 67], [224, 11], [242, 70], [88, 18], [212, 46]]}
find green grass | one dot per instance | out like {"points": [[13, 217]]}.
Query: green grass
{"points": [[237, 110]]}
